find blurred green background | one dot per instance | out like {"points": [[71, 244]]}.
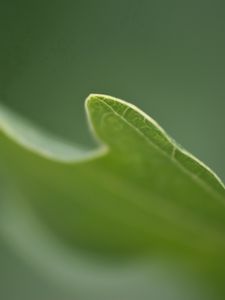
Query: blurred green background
{"points": [[167, 57]]}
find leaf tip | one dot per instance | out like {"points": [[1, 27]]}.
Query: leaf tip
{"points": [[94, 99]]}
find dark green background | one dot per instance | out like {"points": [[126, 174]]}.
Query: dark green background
{"points": [[167, 57]]}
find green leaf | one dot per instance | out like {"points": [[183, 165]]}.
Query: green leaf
{"points": [[114, 209]]}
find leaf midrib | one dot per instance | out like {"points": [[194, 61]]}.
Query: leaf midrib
{"points": [[171, 157]]}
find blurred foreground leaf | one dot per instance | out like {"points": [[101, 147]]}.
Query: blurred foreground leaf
{"points": [[99, 219]]}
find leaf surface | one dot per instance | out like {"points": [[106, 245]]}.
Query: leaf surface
{"points": [[135, 197]]}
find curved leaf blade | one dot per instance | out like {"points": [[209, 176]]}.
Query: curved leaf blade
{"points": [[141, 195]]}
